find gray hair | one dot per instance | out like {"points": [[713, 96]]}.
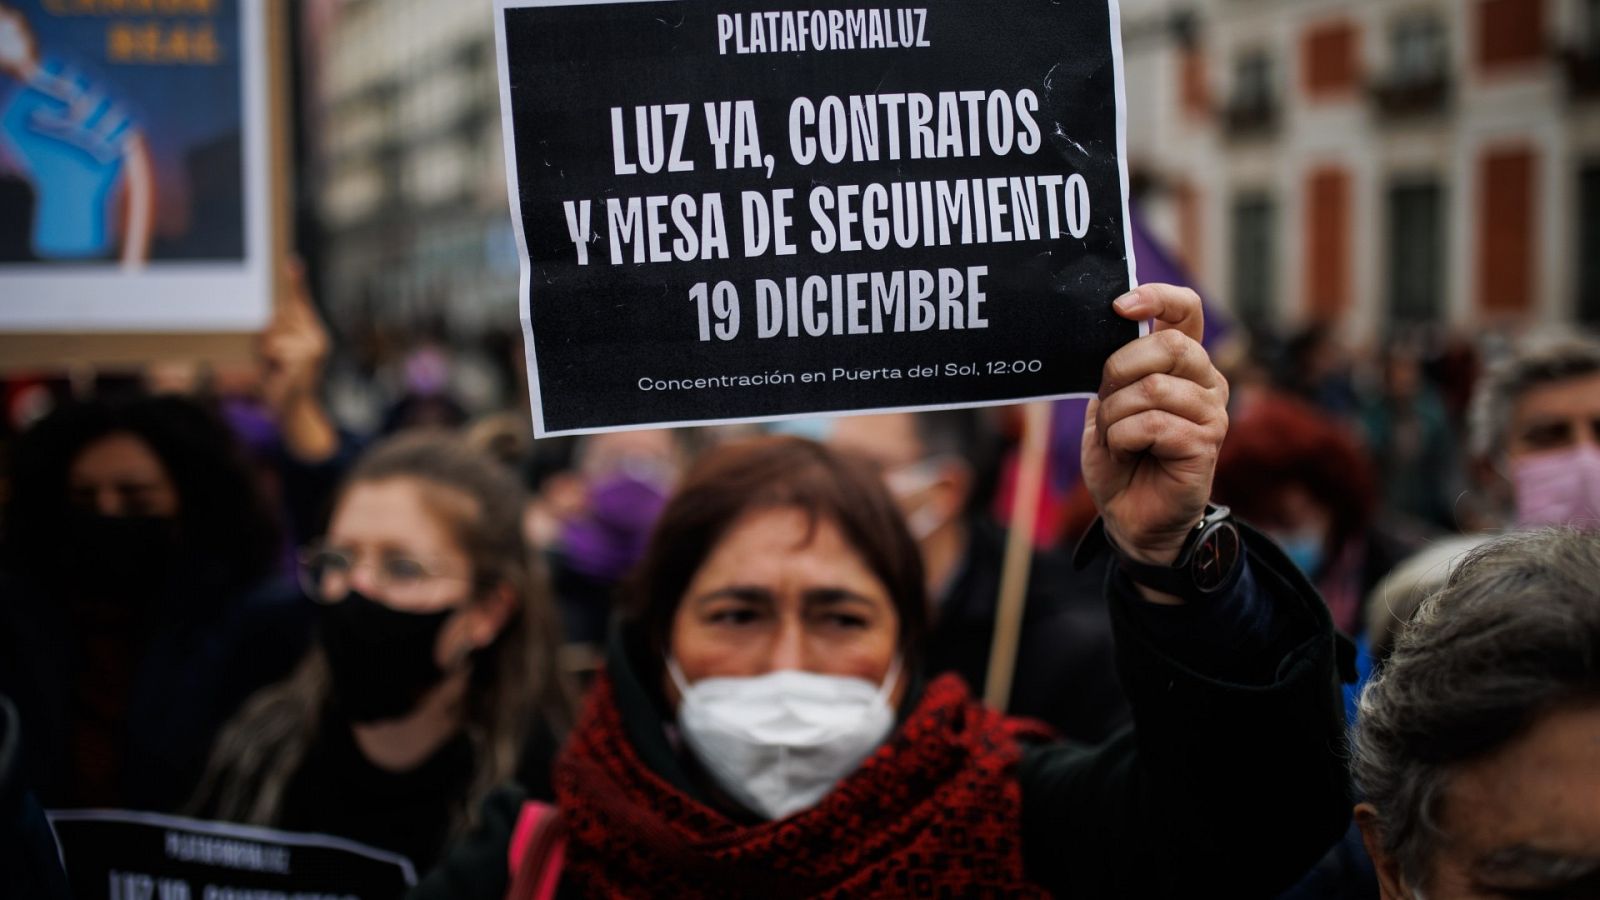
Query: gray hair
{"points": [[1394, 600], [1514, 633], [1537, 360]]}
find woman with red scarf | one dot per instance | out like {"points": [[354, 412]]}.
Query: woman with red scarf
{"points": [[761, 728]]}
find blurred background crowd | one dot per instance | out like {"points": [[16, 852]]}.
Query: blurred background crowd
{"points": [[1380, 202]]}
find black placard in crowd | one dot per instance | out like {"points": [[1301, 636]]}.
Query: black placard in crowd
{"points": [[115, 855], [743, 210]]}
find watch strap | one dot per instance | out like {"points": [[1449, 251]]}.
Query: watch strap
{"points": [[1181, 578]]}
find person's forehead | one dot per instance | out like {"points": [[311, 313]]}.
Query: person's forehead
{"points": [[1540, 792], [783, 545], [117, 455], [1569, 398], [889, 439], [393, 514]]}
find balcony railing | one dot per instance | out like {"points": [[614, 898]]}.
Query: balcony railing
{"points": [[1581, 66], [1250, 117], [1397, 97]]}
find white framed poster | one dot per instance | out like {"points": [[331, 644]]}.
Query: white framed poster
{"points": [[134, 167]]}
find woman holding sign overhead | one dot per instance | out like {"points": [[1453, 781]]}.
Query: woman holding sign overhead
{"points": [[763, 729]]}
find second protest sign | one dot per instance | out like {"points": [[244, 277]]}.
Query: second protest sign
{"points": [[728, 212]]}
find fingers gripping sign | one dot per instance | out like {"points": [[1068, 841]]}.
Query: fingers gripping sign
{"points": [[1152, 435]]}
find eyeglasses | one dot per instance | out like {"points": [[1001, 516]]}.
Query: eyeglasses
{"points": [[326, 575]]}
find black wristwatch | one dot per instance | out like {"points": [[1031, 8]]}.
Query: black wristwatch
{"points": [[1206, 563]]}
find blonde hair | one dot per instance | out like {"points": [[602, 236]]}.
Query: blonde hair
{"points": [[515, 680]]}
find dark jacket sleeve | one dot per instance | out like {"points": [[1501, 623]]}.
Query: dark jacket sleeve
{"points": [[1231, 781], [29, 865], [477, 867], [308, 487]]}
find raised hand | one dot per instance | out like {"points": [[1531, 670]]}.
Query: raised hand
{"points": [[1151, 437], [293, 350]]}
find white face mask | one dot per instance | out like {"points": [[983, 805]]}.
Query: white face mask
{"points": [[779, 742], [910, 480], [924, 521]]}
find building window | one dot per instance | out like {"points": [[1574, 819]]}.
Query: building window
{"points": [[1417, 81], [1252, 79], [1506, 230], [1510, 32], [1589, 245], [1187, 201], [1252, 107], [1416, 251], [1193, 87], [1581, 54], [1254, 278], [1590, 27], [1328, 56], [1418, 45], [1327, 233]]}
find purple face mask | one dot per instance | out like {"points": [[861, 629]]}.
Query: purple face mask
{"points": [[1561, 487], [611, 538], [252, 424]]}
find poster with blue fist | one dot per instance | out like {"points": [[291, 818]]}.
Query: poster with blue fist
{"points": [[132, 158], [74, 147]]}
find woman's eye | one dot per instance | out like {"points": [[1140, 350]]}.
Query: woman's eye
{"points": [[846, 621], [402, 569], [137, 499], [1550, 434], [333, 562], [736, 616]]}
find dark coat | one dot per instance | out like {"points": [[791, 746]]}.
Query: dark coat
{"points": [[1230, 782], [1066, 673], [204, 654], [29, 865]]}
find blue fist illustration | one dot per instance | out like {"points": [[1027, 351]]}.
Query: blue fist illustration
{"points": [[72, 140]]}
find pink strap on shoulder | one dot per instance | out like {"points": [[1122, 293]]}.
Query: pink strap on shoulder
{"points": [[537, 833], [528, 818]]}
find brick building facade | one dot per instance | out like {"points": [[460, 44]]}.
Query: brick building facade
{"points": [[1368, 163]]}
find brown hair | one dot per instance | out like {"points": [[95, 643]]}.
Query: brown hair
{"points": [[515, 679], [767, 473], [1277, 441]]}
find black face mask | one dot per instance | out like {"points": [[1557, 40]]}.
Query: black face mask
{"points": [[382, 660], [132, 557]]}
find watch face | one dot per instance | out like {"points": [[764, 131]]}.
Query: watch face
{"points": [[1214, 557]]}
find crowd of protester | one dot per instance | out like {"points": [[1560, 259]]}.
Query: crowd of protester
{"points": [[743, 660]]}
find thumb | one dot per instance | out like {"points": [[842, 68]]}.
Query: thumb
{"points": [[1168, 306]]}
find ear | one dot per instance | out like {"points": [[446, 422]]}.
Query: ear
{"points": [[487, 616], [1492, 497], [1485, 474], [1390, 884]]}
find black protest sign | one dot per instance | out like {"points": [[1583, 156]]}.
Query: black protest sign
{"points": [[741, 211], [111, 855]]}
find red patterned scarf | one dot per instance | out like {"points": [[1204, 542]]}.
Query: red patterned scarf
{"points": [[936, 810]]}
